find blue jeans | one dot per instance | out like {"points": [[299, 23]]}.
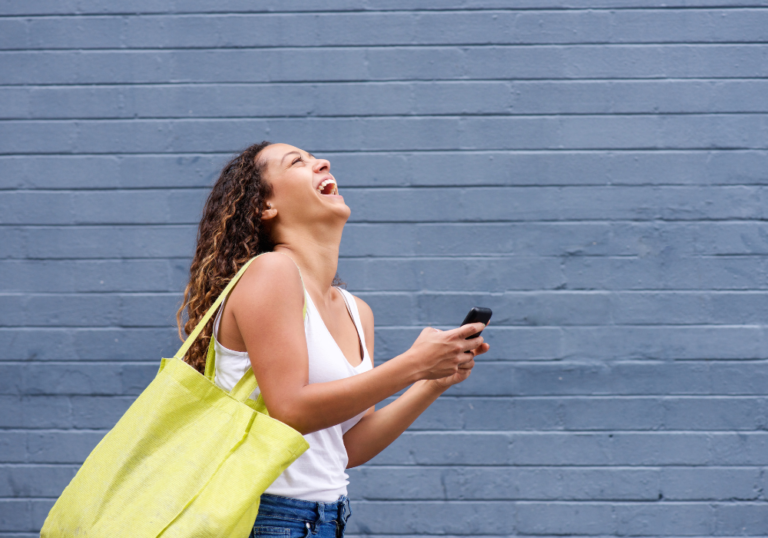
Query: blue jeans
{"points": [[294, 518]]}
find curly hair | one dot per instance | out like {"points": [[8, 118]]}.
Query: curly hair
{"points": [[230, 233]]}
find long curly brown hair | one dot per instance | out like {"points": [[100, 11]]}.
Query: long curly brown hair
{"points": [[230, 233]]}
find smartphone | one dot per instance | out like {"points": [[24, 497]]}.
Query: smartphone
{"points": [[477, 314]]}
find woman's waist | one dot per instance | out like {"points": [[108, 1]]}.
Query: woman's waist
{"points": [[301, 510]]}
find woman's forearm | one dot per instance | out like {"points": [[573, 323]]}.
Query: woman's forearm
{"points": [[308, 407], [377, 431], [317, 406]]}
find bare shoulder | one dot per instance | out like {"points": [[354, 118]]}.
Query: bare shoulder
{"points": [[364, 309], [276, 268], [269, 277], [366, 317]]}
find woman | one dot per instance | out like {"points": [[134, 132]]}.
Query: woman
{"points": [[310, 344]]}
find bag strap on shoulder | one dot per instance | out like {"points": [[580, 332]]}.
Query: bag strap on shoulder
{"points": [[211, 311], [244, 385]]}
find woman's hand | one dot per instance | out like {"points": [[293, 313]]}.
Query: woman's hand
{"points": [[465, 370], [441, 354]]}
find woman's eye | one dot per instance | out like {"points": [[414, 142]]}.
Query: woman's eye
{"points": [[298, 159]]}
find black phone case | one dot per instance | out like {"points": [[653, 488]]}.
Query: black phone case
{"points": [[477, 314]]}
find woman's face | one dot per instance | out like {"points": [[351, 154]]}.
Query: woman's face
{"points": [[303, 189]]}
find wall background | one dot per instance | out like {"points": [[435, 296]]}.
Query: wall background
{"points": [[594, 171]]}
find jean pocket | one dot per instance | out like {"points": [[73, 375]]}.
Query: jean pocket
{"points": [[263, 530]]}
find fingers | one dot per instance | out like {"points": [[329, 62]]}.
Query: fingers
{"points": [[467, 365], [473, 344], [468, 330], [479, 350]]}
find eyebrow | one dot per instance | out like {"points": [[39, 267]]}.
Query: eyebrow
{"points": [[289, 153], [297, 153]]}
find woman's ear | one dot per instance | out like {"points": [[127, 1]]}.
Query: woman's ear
{"points": [[269, 212]]}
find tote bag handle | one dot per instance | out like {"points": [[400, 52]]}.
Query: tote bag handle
{"points": [[209, 314], [247, 384]]}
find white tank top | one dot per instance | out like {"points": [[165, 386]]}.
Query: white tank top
{"points": [[319, 474]]}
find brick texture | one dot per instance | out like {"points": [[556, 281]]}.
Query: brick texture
{"points": [[596, 171]]}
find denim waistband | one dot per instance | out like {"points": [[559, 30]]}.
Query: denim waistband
{"points": [[317, 512]]}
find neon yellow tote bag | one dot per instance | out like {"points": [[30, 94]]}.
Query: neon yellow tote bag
{"points": [[187, 459]]}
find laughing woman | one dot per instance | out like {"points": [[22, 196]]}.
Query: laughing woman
{"points": [[314, 366]]}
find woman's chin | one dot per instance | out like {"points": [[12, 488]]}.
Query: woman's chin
{"points": [[337, 202], [333, 204]]}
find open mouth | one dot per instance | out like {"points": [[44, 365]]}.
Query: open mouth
{"points": [[328, 187]]}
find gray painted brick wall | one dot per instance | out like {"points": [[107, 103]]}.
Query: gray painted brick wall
{"points": [[596, 171]]}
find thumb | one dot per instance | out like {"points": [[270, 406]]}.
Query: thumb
{"points": [[469, 329]]}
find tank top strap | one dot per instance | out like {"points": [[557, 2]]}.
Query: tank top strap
{"points": [[349, 299], [217, 319]]}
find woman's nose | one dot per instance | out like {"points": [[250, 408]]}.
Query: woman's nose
{"points": [[322, 165]]}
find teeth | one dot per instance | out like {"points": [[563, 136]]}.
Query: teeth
{"points": [[325, 184]]}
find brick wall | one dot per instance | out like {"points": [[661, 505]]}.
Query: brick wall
{"points": [[594, 171]]}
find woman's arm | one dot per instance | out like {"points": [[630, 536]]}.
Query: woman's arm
{"points": [[378, 429], [267, 305]]}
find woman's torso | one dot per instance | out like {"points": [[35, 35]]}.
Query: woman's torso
{"points": [[320, 473]]}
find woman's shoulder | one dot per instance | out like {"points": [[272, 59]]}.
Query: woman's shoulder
{"points": [[270, 276], [273, 261], [366, 320], [366, 314]]}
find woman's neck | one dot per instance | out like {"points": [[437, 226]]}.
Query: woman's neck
{"points": [[318, 259]]}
